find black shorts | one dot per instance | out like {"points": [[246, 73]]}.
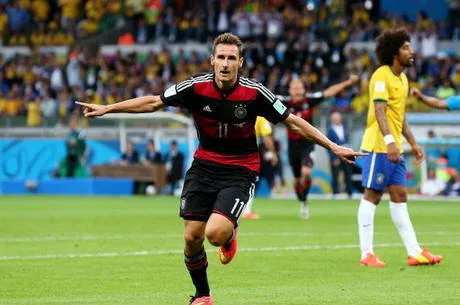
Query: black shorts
{"points": [[299, 155], [216, 188]]}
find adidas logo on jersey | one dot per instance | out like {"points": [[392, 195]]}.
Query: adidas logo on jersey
{"points": [[207, 108]]}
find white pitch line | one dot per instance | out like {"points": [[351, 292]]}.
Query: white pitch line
{"points": [[161, 252], [170, 235]]}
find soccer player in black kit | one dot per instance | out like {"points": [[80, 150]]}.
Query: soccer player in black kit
{"points": [[222, 177], [303, 104]]}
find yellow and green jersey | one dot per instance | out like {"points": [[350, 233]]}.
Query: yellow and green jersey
{"points": [[385, 87], [262, 127]]}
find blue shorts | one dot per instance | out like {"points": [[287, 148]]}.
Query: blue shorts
{"points": [[378, 172], [453, 103]]}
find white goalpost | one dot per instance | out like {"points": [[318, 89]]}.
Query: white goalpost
{"points": [[157, 123]]}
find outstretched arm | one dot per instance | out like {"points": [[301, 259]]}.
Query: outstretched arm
{"points": [[303, 128], [431, 101], [148, 103], [337, 88]]}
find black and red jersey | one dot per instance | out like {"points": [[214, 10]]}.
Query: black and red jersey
{"points": [[303, 109], [225, 120]]}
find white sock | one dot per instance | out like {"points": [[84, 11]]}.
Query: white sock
{"points": [[401, 219], [366, 212], [248, 208]]}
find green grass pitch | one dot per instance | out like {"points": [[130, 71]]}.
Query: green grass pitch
{"points": [[128, 251]]}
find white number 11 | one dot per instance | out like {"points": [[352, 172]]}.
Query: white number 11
{"points": [[237, 207], [223, 129]]}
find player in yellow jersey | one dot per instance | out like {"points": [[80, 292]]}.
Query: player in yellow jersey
{"points": [[384, 166], [263, 130]]}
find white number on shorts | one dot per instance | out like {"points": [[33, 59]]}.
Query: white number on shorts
{"points": [[238, 207]]}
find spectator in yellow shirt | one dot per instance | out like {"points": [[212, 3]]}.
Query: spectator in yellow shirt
{"points": [[33, 113], [40, 10], [69, 12]]}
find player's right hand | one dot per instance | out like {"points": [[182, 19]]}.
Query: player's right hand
{"points": [[347, 154], [93, 110], [393, 153]]}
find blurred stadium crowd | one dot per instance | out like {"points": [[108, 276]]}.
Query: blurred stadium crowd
{"points": [[278, 36]]}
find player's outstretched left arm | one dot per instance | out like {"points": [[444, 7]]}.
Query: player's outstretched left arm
{"points": [[429, 100], [416, 149], [337, 88], [303, 128], [148, 103]]}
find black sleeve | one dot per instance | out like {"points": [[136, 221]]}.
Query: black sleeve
{"points": [[283, 98], [271, 107], [179, 95], [315, 98]]}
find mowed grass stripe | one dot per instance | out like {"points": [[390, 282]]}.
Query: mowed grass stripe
{"points": [[168, 252]]}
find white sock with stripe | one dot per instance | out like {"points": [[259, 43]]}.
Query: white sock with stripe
{"points": [[401, 220], [248, 209], [366, 212]]}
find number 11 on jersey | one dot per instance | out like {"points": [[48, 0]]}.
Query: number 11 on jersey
{"points": [[223, 129]]}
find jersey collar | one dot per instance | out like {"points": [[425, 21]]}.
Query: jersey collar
{"points": [[225, 93]]}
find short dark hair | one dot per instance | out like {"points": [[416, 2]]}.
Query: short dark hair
{"points": [[228, 38], [389, 43]]}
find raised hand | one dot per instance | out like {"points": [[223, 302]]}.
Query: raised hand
{"points": [[93, 110], [353, 78]]}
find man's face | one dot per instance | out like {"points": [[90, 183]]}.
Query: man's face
{"points": [[406, 55], [336, 118], [226, 62], [296, 90]]}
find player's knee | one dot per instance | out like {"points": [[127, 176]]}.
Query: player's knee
{"points": [[216, 236], [193, 238], [398, 197]]}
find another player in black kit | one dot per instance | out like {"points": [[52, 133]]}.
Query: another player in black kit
{"points": [[303, 104], [221, 179]]}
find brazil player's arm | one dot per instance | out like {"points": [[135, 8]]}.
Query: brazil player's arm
{"points": [[380, 115], [337, 88], [306, 130], [416, 149], [264, 130], [148, 103], [431, 101], [270, 146]]}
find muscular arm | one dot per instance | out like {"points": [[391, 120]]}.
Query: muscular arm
{"points": [[337, 88], [407, 133], [392, 149], [380, 116], [270, 146], [303, 128], [416, 149], [148, 103], [433, 102], [306, 130]]}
